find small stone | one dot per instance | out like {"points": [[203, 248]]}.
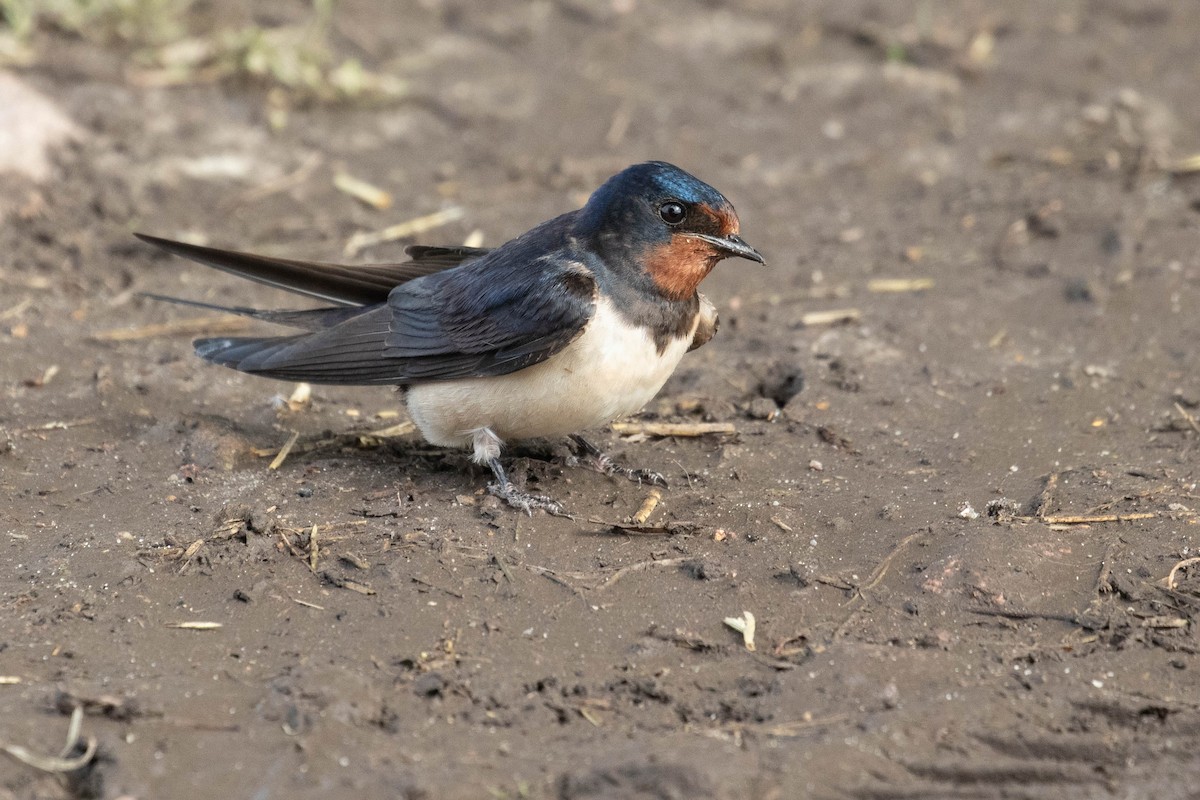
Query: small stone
{"points": [[1077, 290], [891, 696], [260, 522], [213, 443], [431, 684], [1001, 508], [762, 408], [703, 569], [30, 125]]}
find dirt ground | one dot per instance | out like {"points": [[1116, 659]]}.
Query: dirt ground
{"points": [[955, 511]]}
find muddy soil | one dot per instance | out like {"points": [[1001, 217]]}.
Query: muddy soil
{"points": [[960, 510]]}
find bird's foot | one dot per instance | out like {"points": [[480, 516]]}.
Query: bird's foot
{"points": [[602, 462], [504, 489], [525, 501]]}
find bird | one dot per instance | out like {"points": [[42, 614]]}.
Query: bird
{"points": [[572, 324]]}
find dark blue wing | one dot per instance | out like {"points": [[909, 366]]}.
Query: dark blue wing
{"points": [[516, 306]]}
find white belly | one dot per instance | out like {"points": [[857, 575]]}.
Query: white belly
{"points": [[611, 370]]}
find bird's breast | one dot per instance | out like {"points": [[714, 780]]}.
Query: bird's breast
{"points": [[611, 369]]}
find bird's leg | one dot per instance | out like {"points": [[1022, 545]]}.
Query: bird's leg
{"points": [[504, 489], [602, 462], [487, 451]]}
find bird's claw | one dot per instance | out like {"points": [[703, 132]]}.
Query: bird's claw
{"points": [[602, 462], [638, 476], [647, 476], [524, 501]]}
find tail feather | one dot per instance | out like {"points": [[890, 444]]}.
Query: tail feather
{"points": [[342, 284], [343, 345], [313, 319]]}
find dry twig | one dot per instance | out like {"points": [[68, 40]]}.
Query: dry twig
{"points": [[1189, 416], [899, 285], [774, 729], [833, 317], [1185, 166], [362, 191], [638, 567], [665, 429], [1043, 503], [362, 240], [647, 507], [874, 580], [1184, 564], [282, 455], [1088, 519], [63, 762], [313, 550]]}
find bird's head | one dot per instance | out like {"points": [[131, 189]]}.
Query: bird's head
{"points": [[665, 222]]}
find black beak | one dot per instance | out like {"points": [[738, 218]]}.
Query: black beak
{"points": [[732, 245]]}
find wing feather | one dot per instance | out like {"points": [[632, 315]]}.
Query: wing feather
{"points": [[451, 312], [342, 284]]}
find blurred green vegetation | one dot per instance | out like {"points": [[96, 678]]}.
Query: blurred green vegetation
{"points": [[144, 21], [295, 62]]}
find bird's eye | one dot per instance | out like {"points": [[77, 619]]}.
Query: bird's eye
{"points": [[672, 212]]}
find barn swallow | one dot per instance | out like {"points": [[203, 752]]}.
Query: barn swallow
{"points": [[574, 323]]}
